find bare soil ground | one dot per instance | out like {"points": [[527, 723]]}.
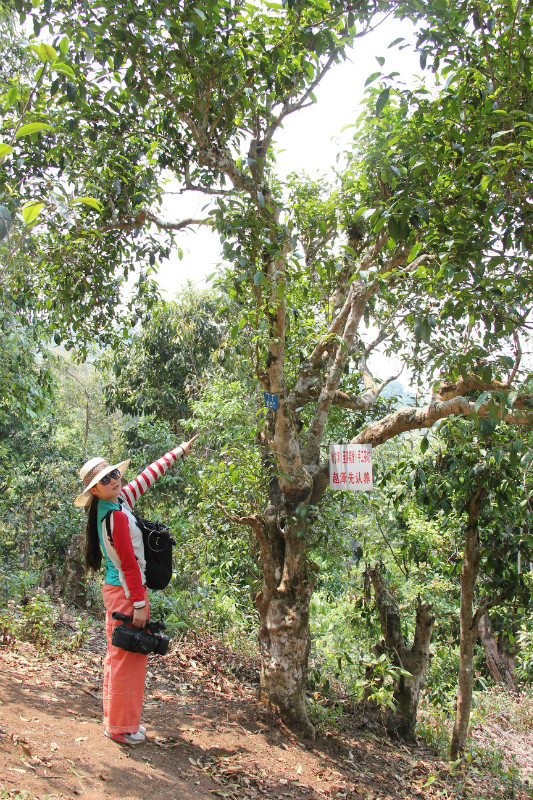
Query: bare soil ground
{"points": [[207, 738]]}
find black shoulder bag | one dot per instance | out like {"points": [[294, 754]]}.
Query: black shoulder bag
{"points": [[158, 544]]}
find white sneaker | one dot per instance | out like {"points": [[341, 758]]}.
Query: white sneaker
{"points": [[127, 738]]}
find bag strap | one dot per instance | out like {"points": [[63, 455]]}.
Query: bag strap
{"points": [[107, 518], [107, 521]]}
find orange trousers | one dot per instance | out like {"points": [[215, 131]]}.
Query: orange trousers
{"points": [[124, 672]]}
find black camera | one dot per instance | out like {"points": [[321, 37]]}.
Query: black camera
{"points": [[149, 640]]}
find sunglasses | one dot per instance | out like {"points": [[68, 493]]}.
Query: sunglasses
{"points": [[113, 475]]}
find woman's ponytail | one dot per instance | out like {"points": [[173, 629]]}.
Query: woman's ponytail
{"points": [[93, 552]]}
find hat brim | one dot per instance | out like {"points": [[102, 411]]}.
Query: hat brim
{"points": [[83, 499]]}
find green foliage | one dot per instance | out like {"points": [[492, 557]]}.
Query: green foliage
{"points": [[25, 370], [524, 658], [36, 624], [441, 677], [111, 99], [231, 474], [166, 361], [16, 585], [431, 167], [40, 460], [425, 533], [58, 527], [36, 618], [32, 480], [343, 668], [219, 611], [59, 279], [433, 728], [443, 482]]}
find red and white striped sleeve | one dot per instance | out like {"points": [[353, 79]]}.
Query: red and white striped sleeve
{"points": [[149, 475]]}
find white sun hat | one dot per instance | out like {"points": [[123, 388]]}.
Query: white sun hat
{"points": [[93, 471]]}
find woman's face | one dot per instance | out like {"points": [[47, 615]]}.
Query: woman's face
{"points": [[110, 491]]}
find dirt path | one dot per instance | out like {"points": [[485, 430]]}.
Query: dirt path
{"points": [[207, 738]]}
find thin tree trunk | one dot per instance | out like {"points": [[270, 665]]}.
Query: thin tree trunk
{"points": [[87, 422], [402, 721], [27, 539], [468, 629]]}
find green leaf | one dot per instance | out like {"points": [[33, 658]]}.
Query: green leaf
{"points": [[6, 222], [33, 127], [198, 20], [31, 211], [63, 69], [45, 52], [499, 134], [372, 78], [382, 100], [415, 249], [366, 213], [5, 149], [481, 399], [12, 96], [89, 201], [422, 330]]}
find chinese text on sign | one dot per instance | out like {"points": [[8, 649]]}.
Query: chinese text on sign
{"points": [[350, 467]]}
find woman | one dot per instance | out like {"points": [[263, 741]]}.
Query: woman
{"points": [[124, 589]]}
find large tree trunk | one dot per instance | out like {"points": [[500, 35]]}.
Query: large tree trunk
{"points": [[283, 606], [402, 721], [468, 627], [499, 663], [284, 647]]}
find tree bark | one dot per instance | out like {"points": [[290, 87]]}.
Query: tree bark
{"points": [[468, 627], [284, 642], [73, 583], [26, 555], [283, 606], [409, 418], [499, 663], [402, 721]]}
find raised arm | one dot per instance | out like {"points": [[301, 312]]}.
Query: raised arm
{"points": [[152, 472]]}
